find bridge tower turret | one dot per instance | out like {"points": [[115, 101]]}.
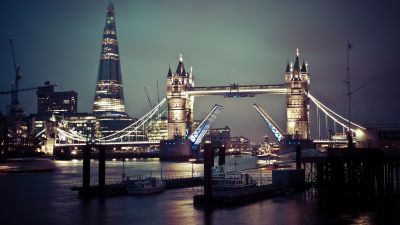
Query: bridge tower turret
{"points": [[180, 105], [297, 103]]}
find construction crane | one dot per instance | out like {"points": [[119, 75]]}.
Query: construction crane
{"points": [[278, 133], [15, 85], [16, 91]]}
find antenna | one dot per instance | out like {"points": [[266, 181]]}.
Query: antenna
{"points": [[349, 133]]}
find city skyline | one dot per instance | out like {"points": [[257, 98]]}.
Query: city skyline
{"points": [[225, 42]]}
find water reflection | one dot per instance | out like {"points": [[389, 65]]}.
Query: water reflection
{"points": [[45, 198]]}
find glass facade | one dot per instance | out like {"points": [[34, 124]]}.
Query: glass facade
{"points": [[109, 96]]}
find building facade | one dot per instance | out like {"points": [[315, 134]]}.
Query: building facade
{"points": [[218, 135], [180, 105], [297, 103], [49, 101], [109, 102]]}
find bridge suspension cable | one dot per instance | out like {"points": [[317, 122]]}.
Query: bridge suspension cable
{"points": [[134, 126], [119, 135], [333, 115]]}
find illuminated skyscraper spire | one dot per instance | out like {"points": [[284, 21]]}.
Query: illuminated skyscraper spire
{"points": [[109, 96]]}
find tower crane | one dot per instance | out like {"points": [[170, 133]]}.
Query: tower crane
{"points": [[15, 85]]}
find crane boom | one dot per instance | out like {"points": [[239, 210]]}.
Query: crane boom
{"points": [[148, 98], [13, 91], [278, 133]]}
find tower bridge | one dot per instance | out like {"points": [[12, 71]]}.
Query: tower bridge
{"points": [[109, 105]]}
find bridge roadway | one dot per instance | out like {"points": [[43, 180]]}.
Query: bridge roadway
{"points": [[129, 143], [236, 90]]}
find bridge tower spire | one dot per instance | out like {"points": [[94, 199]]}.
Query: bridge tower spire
{"points": [[180, 105], [297, 103]]}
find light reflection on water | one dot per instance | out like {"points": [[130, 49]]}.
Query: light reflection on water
{"points": [[45, 198]]}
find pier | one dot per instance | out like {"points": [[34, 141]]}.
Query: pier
{"points": [[361, 173]]}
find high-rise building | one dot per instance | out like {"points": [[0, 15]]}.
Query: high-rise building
{"points": [[109, 104], [49, 101], [109, 96]]}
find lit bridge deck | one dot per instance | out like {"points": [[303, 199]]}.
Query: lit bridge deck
{"points": [[236, 90], [109, 143]]}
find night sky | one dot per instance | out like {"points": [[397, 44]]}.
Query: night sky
{"points": [[247, 42]]}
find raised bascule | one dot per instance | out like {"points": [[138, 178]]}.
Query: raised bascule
{"points": [[183, 140], [180, 99]]}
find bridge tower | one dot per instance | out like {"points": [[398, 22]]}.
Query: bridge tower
{"points": [[297, 103], [180, 105]]}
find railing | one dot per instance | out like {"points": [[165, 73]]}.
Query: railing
{"points": [[262, 179]]}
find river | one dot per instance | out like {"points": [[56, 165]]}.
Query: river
{"points": [[46, 198]]}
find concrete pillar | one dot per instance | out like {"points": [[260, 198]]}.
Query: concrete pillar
{"points": [[102, 168], [221, 156], [208, 164], [298, 157], [86, 168]]}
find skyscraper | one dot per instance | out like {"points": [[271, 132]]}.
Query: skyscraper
{"points": [[109, 104], [109, 95]]}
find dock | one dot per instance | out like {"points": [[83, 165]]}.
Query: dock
{"points": [[243, 195], [119, 187]]}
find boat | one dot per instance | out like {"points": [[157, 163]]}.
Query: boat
{"points": [[143, 186], [227, 181], [270, 156]]}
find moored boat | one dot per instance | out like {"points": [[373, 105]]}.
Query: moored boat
{"points": [[225, 181], [147, 185]]}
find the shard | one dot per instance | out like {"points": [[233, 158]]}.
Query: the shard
{"points": [[109, 95], [109, 104]]}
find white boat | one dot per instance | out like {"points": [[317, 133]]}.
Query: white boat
{"points": [[147, 185], [224, 181]]}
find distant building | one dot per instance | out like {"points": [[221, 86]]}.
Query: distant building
{"points": [[49, 101], [218, 135], [238, 144], [82, 124], [158, 130], [379, 137], [16, 136]]}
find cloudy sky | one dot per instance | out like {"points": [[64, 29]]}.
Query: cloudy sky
{"points": [[226, 41]]}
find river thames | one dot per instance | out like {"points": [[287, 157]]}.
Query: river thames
{"points": [[46, 198]]}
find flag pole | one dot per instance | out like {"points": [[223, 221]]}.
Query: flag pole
{"points": [[349, 133]]}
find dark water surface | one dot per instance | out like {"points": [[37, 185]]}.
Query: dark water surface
{"points": [[45, 198]]}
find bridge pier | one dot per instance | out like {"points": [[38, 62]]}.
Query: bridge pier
{"points": [[86, 169], [208, 164], [221, 156], [102, 168]]}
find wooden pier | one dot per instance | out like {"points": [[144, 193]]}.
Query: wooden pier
{"points": [[118, 187], [243, 195], [354, 172]]}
